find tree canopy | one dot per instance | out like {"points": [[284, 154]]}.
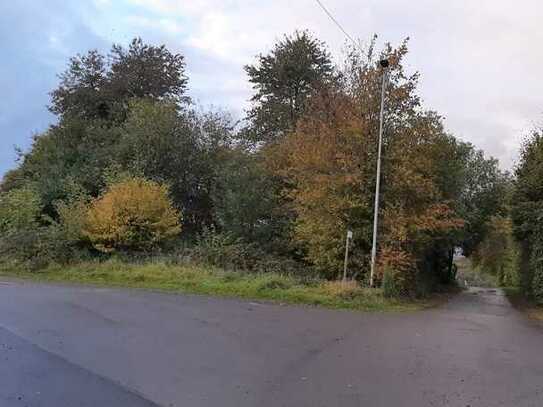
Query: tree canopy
{"points": [[290, 182], [98, 87], [283, 80]]}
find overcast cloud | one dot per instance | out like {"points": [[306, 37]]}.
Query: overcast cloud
{"points": [[479, 60]]}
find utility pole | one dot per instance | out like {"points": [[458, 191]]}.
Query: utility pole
{"points": [[384, 65]]}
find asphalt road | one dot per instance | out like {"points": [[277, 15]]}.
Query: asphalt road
{"points": [[79, 346]]}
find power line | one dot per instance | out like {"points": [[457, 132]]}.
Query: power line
{"points": [[338, 24]]}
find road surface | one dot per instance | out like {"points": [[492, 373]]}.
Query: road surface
{"points": [[80, 346]]}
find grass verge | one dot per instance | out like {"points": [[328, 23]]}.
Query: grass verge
{"points": [[211, 281], [523, 304]]}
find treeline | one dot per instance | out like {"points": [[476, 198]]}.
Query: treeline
{"points": [[277, 190], [527, 216]]}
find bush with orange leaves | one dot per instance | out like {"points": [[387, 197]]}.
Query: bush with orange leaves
{"points": [[132, 214]]}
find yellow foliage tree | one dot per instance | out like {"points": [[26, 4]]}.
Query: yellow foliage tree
{"points": [[133, 214]]}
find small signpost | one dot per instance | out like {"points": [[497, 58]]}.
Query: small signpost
{"points": [[349, 238]]}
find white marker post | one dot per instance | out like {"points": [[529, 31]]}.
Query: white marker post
{"points": [[349, 237]]}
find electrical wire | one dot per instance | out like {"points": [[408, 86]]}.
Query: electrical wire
{"points": [[336, 22]]}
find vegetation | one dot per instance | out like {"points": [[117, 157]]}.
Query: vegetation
{"points": [[19, 209], [133, 169], [527, 212], [497, 254], [133, 214], [197, 279], [508, 248], [284, 81], [327, 165], [470, 276]]}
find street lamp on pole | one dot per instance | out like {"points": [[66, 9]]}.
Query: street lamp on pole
{"points": [[384, 63]]}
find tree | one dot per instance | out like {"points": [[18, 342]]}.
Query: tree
{"points": [[328, 167], [82, 88], [283, 81], [92, 101], [527, 214], [180, 148], [147, 71], [246, 200], [484, 195], [71, 154], [96, 87], [133, 214], [497, 252]]}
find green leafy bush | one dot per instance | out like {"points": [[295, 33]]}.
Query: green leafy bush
{"points": [[537, 285], [536, 266], [36, 248], [72, 217], [226, 251], [19, 209], [497, 254], [391, 286]]}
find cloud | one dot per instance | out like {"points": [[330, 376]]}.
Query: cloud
{"points": [[479, 61]]}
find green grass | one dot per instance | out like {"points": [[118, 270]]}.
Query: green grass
{"points": [[211, 281]]}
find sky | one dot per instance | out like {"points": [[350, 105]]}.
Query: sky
{"points": [[480, 61]]}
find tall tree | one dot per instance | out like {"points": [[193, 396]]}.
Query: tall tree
{"points": [[283, 81], [484, 195], [147, 71], [73, 152], [96, 87], [180, 148], [246, 200], [527, 214], [82, 89], [328, 165]]}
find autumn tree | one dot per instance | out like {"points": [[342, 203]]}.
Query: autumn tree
{"points": [[328, 165]]}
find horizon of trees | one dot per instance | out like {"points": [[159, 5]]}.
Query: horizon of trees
{"points": [[289, 181]]}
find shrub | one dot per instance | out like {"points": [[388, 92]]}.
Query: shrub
{"points": [[19, 209], [133, 214], [391, 287], [72, 218], [226, 251], [536, 265], [36, 248], [537, 285], [398, 272]]}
